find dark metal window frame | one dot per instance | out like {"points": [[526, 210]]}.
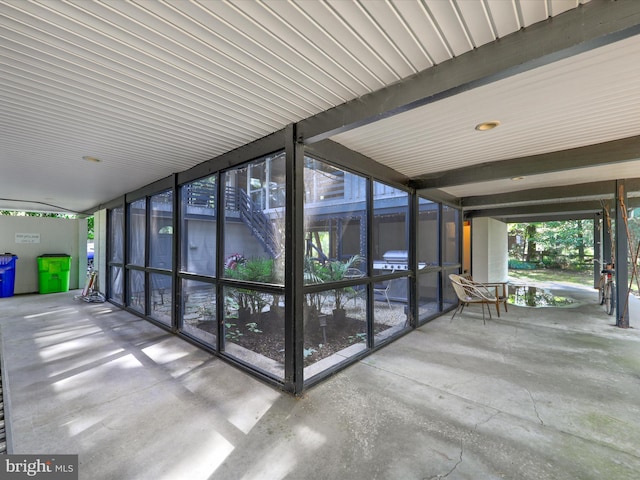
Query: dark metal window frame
{"points": [[294, 288]]}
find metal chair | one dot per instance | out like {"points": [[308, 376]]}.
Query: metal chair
{"points": [[351, 273], [382, 289]]}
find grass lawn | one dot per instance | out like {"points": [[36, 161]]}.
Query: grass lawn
{"points": [[550, 275], [566, 276]]}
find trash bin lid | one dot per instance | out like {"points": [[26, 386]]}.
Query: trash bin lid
{"points": [[53, 255]]}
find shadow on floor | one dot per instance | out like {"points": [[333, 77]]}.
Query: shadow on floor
{"points": [[536, 394]]}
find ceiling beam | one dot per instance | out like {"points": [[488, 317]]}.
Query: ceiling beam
{"points": [[436, 195], [590, 207], [616, 151], [560, 217], [571, 209], [602, 189], [345, 157], [591, 25]]}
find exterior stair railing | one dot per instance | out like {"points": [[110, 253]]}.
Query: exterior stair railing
{"points": [[254, 217], [238, 201]]}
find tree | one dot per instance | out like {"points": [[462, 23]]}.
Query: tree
{"points": [[565, 243], [530, 241], [90, 228]]}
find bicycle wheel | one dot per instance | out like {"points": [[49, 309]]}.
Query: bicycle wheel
{"points": [[606, 297], [612, 298], [601, 291]]}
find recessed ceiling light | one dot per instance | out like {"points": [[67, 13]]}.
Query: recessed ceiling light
{"points": [[483, 127], [91, 159], [516, 179]]}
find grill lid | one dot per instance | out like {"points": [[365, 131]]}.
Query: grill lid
{"points": [[396, 256]]}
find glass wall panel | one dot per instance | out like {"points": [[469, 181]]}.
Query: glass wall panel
{"points": [[116, 235], [161, 298], [390, 308], [199, 314], [137, 229], [335, 223], [254, 220], [116, 254], [161, 234], [449, 298], [352, 302], [198, 221], [450, 236], [428, 234], [115, 285], [136, 290], [254, 328], [390, 234], [428, 295], [333, 335], [266, 182]]}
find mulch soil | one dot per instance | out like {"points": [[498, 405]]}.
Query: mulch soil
{"points": [[269, 342]]}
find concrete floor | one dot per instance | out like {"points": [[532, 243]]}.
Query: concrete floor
{"points": [[537, 394]]}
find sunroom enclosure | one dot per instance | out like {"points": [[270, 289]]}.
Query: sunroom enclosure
{"points": [[286, 262]]}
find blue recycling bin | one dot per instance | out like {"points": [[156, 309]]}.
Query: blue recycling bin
{"points": [[7, 274]]}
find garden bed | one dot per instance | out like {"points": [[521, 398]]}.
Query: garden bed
{"points": [[265, 336]]}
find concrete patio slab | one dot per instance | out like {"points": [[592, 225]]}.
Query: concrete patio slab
{"points": [[539, 393]]}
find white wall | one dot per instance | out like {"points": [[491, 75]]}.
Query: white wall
{"points": [[50, 235], [240, 240], [489, 246], [100, 248], [238, 234]]}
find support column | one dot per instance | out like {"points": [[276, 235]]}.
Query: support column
{"points": [[412, 235], [491, 251], [622, 246], [176, 290], [294, 261], [606, 238], [597, 248]]}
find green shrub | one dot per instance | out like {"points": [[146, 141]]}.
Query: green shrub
{"points": [[521, 265]]}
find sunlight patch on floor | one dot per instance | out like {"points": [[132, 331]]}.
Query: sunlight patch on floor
{"points": [[79, 425], [70, 347], [309, 437], [86, 385], [275, 465], [166, 351], [203, 459], [248, 411], [51, 312]]}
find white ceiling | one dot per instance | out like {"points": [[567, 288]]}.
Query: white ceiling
{"points": [[155, 87], [589, 98]]}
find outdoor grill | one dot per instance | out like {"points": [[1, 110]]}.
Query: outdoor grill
{"points": [[393, 260]]}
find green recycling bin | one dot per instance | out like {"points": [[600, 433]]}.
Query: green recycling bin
{"points": [[53, 272]]}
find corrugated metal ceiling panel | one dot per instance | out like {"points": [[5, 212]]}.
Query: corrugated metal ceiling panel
{"points": [[441, 136], [153, 88]]}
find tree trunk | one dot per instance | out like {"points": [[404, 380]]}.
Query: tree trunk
{"points": [[530, 234], [580, 242]]}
